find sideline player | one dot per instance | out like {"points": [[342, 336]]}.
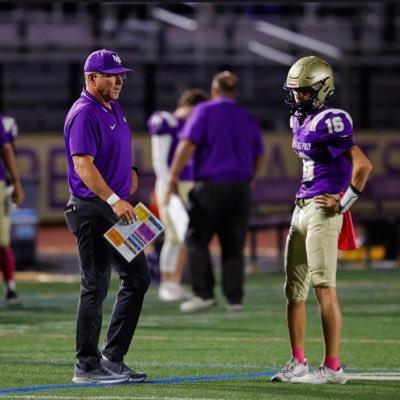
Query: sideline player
{"points": [[164, 128], [332, 163], [11, 192]]}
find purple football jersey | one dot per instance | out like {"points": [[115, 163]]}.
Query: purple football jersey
{"points": [[321, 142], [228, 140], [7, 134], [93, 129], [167, 123]]}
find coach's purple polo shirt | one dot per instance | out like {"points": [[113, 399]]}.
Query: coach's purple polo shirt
{"points": [[321, 142], [228, 140], [93, 129], [5, 137]]}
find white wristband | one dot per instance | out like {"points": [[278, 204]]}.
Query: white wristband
{"points": [[349, 198], [112, 200]]}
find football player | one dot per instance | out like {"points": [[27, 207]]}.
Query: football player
{"points": [[164, 127], [332, 164], [11, 192]]}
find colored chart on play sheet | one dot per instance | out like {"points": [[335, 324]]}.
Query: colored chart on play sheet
{"points": [[131, 239]]}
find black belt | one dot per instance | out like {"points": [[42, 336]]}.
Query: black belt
{"points": [[77, 198]]}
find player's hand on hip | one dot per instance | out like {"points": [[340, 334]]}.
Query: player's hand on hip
{"points": [[327, 202], [125, 211]]}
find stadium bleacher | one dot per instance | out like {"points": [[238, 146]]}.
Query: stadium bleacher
{"points": [[43, 45], [58, 33]]}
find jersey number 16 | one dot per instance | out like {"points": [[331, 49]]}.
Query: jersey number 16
{"points": [[335, 125]]}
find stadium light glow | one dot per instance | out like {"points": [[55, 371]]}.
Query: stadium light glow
{"points": [[270, 53], [185, 23], [298, 39]]}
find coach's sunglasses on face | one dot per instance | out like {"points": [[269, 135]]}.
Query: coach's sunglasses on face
{"points": [[122, 75]]}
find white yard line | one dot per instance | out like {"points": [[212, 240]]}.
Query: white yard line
{"points": [[379, 376]]}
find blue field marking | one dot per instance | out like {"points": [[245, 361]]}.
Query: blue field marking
{"points": [[210, 378], [149, 382]]}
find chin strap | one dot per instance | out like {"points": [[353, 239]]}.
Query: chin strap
{"points": [[350, 196]]}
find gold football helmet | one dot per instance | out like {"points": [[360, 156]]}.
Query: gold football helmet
{"points": [[312, 75]]}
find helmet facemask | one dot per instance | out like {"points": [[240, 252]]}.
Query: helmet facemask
{"points": [[306, 107]]}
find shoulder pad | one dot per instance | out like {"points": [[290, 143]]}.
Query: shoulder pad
{"points": [[319, 121], [10, 127], [162, 122]]}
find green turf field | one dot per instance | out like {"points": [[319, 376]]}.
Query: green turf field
{"points": [[208, 355]]}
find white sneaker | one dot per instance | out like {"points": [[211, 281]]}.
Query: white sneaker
{"points": [[322, 374], [170, 291], [291, 370], [196, 304]]}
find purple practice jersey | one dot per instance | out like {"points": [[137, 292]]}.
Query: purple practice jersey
{"points": [[167, 123], [228, 139], [8, 132], [321, 142], [91, 128]]}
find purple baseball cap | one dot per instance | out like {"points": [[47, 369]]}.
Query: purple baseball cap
{"points": [[106, 61]]}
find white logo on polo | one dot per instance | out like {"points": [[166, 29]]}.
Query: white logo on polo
{"points": [[112, 126], [116, 58]]}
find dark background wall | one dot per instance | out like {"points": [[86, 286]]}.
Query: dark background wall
{"points": [[173, 46]]}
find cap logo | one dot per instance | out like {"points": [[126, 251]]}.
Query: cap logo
{"points": [[116, 58], [105, 61]]}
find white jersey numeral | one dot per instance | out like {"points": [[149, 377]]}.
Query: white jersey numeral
{"points": [[335, 124], [308, 170]]}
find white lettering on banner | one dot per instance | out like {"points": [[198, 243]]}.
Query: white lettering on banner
{"points": [[116, 59]]}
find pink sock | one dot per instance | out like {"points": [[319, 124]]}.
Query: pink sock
{"points": [[299, 354], [332, 362]]}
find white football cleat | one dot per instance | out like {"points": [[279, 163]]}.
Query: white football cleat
{"points": [[322, 374], [170, 291], [291, 370]]}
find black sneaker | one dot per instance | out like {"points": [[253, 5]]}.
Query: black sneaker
{"points": [[121, 368], [12, 297], [100, 375]]}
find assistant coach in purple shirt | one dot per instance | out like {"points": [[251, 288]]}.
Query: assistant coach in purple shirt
{"points": [[227, 147], [101, 178]]}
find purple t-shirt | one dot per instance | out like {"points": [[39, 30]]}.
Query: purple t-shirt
{"points": [[93, 129], [7, 134], [321, 142], [228, 140], [167, 123]]}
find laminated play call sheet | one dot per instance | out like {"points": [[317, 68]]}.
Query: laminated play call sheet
{"points": [[131, 239]]}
